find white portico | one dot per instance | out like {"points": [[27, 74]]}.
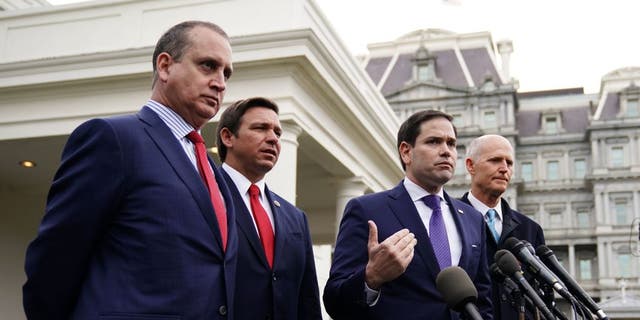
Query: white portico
{"points": [[60, 66]]}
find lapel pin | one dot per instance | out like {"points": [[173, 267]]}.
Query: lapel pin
{"points": [[460, 211], [474, 245], [276, 203]]}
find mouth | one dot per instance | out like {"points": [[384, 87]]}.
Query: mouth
{"points": [[212, 101], [444, 164], [270, 152]]}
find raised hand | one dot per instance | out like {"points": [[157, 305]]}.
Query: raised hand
{"points": [[390, 258]]}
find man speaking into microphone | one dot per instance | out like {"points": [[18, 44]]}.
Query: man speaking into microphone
{"points": [[489, 161]]}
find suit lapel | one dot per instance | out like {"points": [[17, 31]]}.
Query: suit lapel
{"points": [[458, 216], [244, 218], [509, 222], [174, 153], [405, 211], [280, 227]]}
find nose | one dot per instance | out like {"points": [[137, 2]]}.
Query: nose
{"points": [[218, 81], [272, 137]]}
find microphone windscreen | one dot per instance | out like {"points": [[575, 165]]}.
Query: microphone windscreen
{"points": [[507, 262], [512, 243], [543, 251], [456, 288]]}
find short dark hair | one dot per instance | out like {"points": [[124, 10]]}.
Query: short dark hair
{"points": [[175, 40], [410, 128], [232, 116]]}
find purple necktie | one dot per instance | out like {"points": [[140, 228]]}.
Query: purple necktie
{"points": [[438, 232]]}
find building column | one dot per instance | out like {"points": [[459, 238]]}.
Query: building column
{"points": [[635, 149], [602, 271], [347, 189], [282, 179], [572, 260], [595, 154], [568, 175], [605, 208]]}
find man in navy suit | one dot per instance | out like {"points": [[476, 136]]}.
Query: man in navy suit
{"points": [[276, 275], [423, 230], [130, 230], [489, 161]]}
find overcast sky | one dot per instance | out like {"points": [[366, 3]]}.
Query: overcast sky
{"points": [[557, 43]]}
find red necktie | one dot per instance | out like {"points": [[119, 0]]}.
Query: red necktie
{"points": [[214, 192], [262, 220]]}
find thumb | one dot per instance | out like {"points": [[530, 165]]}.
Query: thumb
{"points": [[373, 234]]}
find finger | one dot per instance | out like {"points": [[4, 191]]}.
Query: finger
{"points": [[373, 234], [396, 237], [409, 249]]}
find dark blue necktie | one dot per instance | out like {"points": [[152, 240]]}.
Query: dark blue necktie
{"points": [[438, 232]]}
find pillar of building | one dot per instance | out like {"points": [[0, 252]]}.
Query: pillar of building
{"points": [[602, 270], [605, 208], [572, 260], [282, 179], [347, 189]]}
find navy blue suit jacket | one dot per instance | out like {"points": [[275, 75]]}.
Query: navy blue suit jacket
{"points": [[129, 230], [413, 295], [514, 224], [290, 290]]}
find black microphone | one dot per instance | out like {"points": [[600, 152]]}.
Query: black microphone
{"points": [[508, 264], [547, 256], [512, 293], [537, 267], [458, 291]]}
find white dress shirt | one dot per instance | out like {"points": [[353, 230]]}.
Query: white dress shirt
{"points": [[243, 184], [417, 193], [483, 208]]}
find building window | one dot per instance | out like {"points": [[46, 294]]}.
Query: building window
{"points": [[553, 170], [423, 72], [457, 120], [555, 220], [585, 269], [617, 157], [526, 170], [579, 168], [551, 125], [624, 265], [582, 218], [620, 209], [633, 110], [489, 119]]}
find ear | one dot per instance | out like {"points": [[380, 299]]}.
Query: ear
{"points": [[163, 64], [469, 164], [226, 137], [405, 150]]}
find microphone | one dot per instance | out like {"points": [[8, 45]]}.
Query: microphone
{"points": [[458, 291], [537, 267], [512, 292], [552, 262], [508, 264]]}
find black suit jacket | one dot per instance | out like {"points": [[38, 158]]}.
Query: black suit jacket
{"points": [[514, 224], [290, 290]]}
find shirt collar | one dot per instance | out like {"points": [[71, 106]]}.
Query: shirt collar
{"points": [[416, 192], [242, 182], [174, 121], [483, 208]]}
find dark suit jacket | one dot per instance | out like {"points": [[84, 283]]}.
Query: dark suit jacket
{"points": [[514, 224], [129, 230], [413, 295], [290, 290]]}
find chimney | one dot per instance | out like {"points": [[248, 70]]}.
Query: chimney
{"points": [[505, 48]]}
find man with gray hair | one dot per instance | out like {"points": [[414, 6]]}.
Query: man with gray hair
{"points": [[489, 161]]}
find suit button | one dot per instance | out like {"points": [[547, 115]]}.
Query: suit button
{"points": [[274, 277], [222, 310]]}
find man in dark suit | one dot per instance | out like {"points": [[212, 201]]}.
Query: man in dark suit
{"points": [[276, 275], [386, 280], [489, 161], [131, 229]]}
